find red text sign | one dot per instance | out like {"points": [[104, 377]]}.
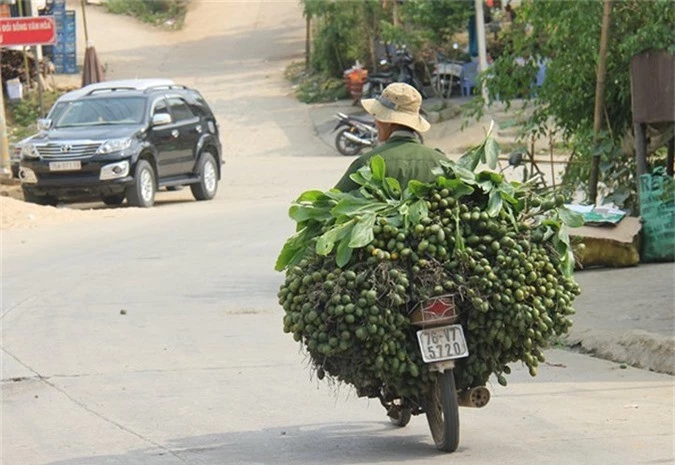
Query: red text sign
{"points": [[40, 30]]}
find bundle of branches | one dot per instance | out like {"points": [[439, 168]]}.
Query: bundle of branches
{"points": [[360, 262]]}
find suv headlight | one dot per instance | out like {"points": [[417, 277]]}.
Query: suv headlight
{"points": [[29, 151], [115, 145]]}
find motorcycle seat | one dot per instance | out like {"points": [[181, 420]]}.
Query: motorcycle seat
{"points": [[366, 119]]}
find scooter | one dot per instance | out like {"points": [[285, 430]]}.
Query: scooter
{"points": [[441, 341], [354, 134], [405, 64], [376, 82]]}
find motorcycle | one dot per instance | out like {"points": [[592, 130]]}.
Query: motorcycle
{"points": [[404, 65], [376, 82], [354, 134], [442, 342]]}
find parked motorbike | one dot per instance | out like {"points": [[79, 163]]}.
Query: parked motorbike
{"points": [[354, 134], [376, 82], [441, 341], [403, 66]]}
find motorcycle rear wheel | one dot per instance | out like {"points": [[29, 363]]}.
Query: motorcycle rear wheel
{"points": [[442, 411], [344, 145]]}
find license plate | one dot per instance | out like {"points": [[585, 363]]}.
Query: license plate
{"points": [[442, 343], [65, 165]]}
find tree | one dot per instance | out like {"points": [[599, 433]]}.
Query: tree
{"points": [[566, 35], [345, 31]]}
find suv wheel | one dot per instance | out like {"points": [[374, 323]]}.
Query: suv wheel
{"points": [[207, 186], [113, 200], [142, 192], [30, 197]]}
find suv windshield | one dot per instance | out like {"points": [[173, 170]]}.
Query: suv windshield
{"points": [[106, 110]]}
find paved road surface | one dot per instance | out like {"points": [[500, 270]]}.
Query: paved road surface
{"points": [[198, 371]]}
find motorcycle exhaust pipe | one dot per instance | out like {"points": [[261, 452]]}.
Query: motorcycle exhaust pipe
{"points": [[477, 397], [351, 137]]}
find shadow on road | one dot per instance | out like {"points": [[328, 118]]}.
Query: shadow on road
{"points": [[328, 444]]}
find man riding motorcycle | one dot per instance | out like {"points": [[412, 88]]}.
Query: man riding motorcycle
{"points": [[397, 116]]}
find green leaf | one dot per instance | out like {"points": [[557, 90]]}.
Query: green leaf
{"points": [[471, 159], [377, 167], [437, 171], [491, 152], [395, 220], [466, 175], [419, 189], [568, 263], [296, 247], [394, 186], [362, 233], [487, 186], [326, 243], [570, 218], [494, 204], [351, 206], [302, 213], [418, 210], [548, 233], [344, 252], [289, 250], [561, 242], [507, 191], [358, 178], [492, 176], [457, 186], [311, 196]]}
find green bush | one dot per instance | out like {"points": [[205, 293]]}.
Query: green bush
{"points": [[22, 116], [315, 87], [151, 11]]}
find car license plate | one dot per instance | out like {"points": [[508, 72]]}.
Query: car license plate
{"points": [[442, 343], [65, 165]]}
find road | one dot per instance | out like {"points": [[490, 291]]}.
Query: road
{"points": [[156, 339]]}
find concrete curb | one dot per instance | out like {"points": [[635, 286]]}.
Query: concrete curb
{"points": [[638, 348]]}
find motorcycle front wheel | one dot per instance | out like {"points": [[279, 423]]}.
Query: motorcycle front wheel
{"points": [[442, 411], [344, 145]]}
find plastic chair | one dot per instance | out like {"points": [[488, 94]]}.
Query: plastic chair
{"points": [[469, 74]]}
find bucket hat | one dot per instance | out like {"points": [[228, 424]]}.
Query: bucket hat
{"points": [[399, 103]]}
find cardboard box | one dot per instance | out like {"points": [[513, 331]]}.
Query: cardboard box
{"points": [[609, 245]]}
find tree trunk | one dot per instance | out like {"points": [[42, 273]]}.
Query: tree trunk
{"points": [[599, 98]]}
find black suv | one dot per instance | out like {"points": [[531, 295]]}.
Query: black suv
{"points": [[122, 139]]}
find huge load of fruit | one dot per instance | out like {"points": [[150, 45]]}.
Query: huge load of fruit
{"points": [[361, 262]]}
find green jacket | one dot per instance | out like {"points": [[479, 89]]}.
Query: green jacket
{"points": [[405, 159]]}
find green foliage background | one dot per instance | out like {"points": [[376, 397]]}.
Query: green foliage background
{"points": [[568, 34], [345, 31], [151, 11]]}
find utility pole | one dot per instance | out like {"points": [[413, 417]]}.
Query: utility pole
{"points": [[4, 145], [599, 99], [482, 45]]}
